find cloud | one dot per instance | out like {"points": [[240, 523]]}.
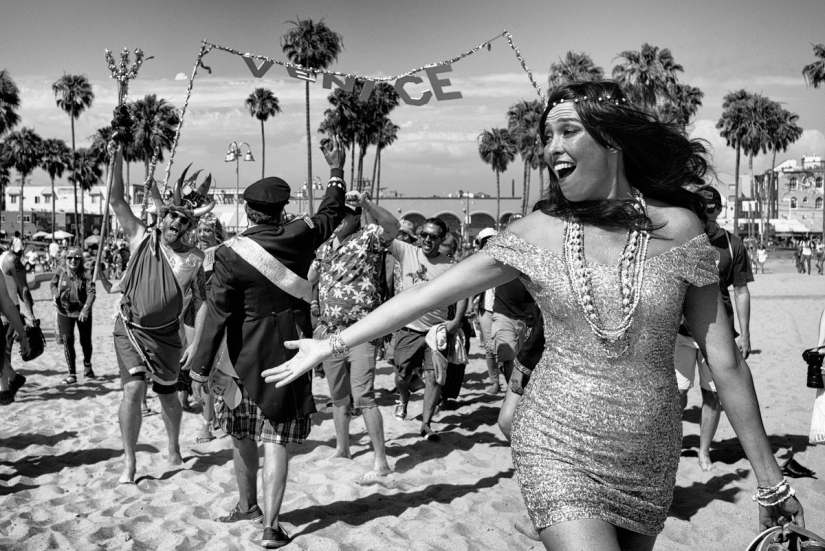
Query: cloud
{"points": [[181, 76]]}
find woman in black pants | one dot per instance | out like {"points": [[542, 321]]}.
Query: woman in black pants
{"points": [[74, 293]]}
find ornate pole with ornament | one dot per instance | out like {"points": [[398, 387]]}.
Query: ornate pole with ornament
{"points": [[121, 127]]}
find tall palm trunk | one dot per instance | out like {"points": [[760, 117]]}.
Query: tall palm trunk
{"points": [[374, 172], [53, 207], [525, 187], [498, 200], [736, 203], [361, 155], [74, 176], [750, 203], [773, 194], [22, 223], [378, 182], [263, 151], [541, 182], [309, 157], [82, 233]]}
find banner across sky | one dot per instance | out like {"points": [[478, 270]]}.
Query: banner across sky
{"points": [[434, 73]]}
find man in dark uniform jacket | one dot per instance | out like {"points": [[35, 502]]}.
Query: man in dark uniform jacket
{"points": [[259, 299]]}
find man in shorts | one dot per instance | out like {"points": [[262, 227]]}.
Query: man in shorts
{"points": [[349, 272], [147, 337], [412, 357], [259, 299], [734, 269]]}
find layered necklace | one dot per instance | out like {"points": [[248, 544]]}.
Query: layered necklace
{"points": [[631, 275]]}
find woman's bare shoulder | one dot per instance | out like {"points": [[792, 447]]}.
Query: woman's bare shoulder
{"points": [[539, 229]]}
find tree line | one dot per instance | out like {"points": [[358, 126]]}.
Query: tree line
{"points": [[750, 122]]}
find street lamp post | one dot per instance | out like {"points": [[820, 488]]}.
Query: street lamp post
{"points": [[234, 154], [468, 219]]}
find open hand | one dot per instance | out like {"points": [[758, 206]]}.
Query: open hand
{"points": [[188, 357], [334, 152], [25, 349], [198, 392], [310, 353]]}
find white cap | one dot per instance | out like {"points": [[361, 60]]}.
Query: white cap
{"points": [[485, 233]]}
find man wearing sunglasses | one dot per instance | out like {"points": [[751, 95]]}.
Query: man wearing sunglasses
{"points": [[148, 345], [413, 358]]}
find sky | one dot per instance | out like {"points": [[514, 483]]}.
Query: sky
{"points": [[724, 46]]}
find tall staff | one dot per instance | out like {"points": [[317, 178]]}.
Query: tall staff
{"points": [[123, 73]]}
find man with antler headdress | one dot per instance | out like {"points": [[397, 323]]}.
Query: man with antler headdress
{"points": [[161, 270]]}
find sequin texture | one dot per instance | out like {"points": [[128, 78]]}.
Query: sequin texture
{"points": [[599, 437]]}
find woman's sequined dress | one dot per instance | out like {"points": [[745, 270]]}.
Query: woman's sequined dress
{"points": [[595, 437]]}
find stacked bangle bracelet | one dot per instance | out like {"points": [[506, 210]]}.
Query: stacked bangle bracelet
{"points": [[337, 345], [770, 496]]}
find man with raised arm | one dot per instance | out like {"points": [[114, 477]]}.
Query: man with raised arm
{"points": [[259, 298], [349, 271], [147, 329]]}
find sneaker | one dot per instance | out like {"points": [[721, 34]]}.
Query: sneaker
{"points": [[15, 385], [275, 537], [255, 515], [400, 411], [429, 433]]}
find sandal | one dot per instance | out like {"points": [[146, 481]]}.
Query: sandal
{"points": [[88, 373], [70, 380]]}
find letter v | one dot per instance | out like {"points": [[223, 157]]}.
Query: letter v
{"points": [[258, 72]]}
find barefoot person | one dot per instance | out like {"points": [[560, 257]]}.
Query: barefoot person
{"points": [[597, 436], [348, 269], [734, 270], [147, 329], [260, 298]]}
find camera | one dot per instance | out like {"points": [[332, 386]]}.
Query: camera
{"points": [[813, 357]]}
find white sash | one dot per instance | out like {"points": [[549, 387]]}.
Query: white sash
{"points": [[271, 268]]}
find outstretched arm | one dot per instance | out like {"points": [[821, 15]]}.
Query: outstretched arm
{"points": [[132, 225], [707, 319], [471, 276]]}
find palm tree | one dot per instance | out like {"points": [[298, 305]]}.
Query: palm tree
{"points": [[312, 46], [575, 67], [523, 124], [682, 104], [373, 114], [385, 137], [5, 174], [56, 157], [733, 126], [262, 104], [155, 122], [814, 73], [647, 74], [73, 94], [342, 119], [9, 103], [757, 137], [497, 150], [783, 131], [24, 149], [86, 174]]}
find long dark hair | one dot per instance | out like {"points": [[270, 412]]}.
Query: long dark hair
{"points": [[659, 159]]}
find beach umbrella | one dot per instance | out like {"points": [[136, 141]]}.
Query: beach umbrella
{"points": [[92, 240], [59, 234], [38, 235]]}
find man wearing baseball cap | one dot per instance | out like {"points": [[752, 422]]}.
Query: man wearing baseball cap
{"points": [[734, 269]]}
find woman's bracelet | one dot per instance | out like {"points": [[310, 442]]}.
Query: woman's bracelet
{"points": [[337, 345], [525, 370], [769, 496], [335, 181]]}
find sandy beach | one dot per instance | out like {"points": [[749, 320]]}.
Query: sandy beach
{"points": [[61, 454]]}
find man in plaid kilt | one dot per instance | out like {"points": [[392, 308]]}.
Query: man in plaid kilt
{"points": [[259, 298]]}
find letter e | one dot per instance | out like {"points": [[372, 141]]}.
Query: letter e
{"points": [[439, 85]]}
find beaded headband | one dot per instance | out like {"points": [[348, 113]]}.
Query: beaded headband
{"points": [[616, 101]]}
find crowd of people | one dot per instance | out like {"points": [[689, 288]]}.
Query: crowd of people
{"points": [[591, 350]]}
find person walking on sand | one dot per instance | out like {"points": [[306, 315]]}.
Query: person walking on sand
{"points": [[73, 292], [259, 299], [597, 435], [17, 285], [348, 270], [147, 329], [734, 270]]}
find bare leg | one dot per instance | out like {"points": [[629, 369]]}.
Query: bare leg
{"points": [[375, 428], [508, 410], [492, 372], [432, 393], [208, 417], [130, 422], [683, 398], [245, 460], [171, 410], [711, 413], [341, 418], [276, 466], [574, 535]]}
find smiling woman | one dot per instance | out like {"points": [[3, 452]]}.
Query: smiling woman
{"points": [[584, 127]]}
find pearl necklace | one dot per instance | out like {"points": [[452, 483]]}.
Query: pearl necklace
{"points": [[631, 276]]}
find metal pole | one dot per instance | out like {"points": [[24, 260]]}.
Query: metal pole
{"points": [[237, 194]]}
